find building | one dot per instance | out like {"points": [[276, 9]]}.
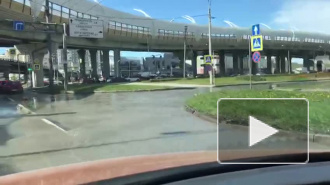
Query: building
{"points": [[162, 64]]}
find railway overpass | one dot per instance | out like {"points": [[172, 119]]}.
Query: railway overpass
{"points": [[124, 31]]}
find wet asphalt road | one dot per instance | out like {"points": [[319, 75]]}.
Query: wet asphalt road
{"points": [[78, 128]]}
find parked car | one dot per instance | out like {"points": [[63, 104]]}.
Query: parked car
{"points": [[8, 86], [117, 80], [133, 79]]}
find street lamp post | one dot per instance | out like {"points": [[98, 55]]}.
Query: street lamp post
{"points": [[184, 51], [210, 44]]}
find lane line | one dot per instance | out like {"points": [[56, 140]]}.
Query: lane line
{"points": [[54, 125], [10, 99]]}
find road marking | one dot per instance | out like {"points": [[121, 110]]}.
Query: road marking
{"points": [[54, 125], [10, 99]]}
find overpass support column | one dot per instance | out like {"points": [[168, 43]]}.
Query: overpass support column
{"points": [[116, 58], [82, 63], [277, 64], [241, 66], [306, 62], [283, 63], [6, 75], [235, 63], [254, 67], [38, 75], [37, 53], [222, 63], [194, 63], [106, 64], [269, 64], [93, 53]]}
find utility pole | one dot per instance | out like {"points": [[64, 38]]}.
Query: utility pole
{"points": [[49, 45], [210, 44], [184, 51], [65, 59]]}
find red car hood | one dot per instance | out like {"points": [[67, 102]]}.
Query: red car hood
{"points": [[111, 168]]}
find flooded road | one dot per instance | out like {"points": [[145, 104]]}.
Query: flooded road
{"points": [[75, 128]]}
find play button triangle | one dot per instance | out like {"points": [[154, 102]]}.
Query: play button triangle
{"points": [[259, 131]]}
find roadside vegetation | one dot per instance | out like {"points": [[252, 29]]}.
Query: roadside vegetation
{"points": [[220, 81], [285, 115]]}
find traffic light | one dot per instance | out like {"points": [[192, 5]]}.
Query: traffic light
{"points": [[29, 69]]}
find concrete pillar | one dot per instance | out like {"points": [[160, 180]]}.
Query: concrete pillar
{"points": [[222, 63], [116, 58], [277, 66], [82, 63], [93, 53], [241, 67], [38, 75], [269, 64], [37, 53], [235, 63], [194, 63], [254, 67], [283, 63], [6, 74], [306, 62], [106, 64]]}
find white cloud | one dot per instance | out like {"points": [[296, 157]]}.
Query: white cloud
{"points": [[304, 15]]}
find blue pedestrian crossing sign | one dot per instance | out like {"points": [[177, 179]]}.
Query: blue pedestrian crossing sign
{"points": [[256, 30], [257, 43], [208, 59]]}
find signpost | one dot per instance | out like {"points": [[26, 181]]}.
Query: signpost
{"points": [[208, 59], [18, 25], [36, 67], [256, 57], [86, 28], [255, 45], [256, 30]]}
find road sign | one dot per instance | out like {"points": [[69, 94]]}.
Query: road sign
{"points": [[256, 30], [256, 57], [36, 67], [256, 43], [18, 25], [86, 28], [208, 59], [36, 61], [259, 131]]}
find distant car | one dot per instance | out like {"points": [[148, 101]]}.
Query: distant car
{"points": [[116, 80], [133, 79], [8, 86]]}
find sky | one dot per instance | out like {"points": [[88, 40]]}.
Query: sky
{"points": [[300, 15]]}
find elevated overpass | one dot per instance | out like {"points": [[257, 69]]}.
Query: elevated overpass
{"points": [[124, 31]]}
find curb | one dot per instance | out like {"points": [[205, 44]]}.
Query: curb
{"points": [[25, 110], [271, 82], [124, 91], [315, 138]]}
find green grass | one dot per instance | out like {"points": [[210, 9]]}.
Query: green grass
{"points": [[245, 79], [286, 115], [314, 85]]}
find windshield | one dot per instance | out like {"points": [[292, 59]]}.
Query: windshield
{"points": [[120, 79]]}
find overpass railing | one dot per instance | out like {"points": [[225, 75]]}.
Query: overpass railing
{"points": [[61, 14]]}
